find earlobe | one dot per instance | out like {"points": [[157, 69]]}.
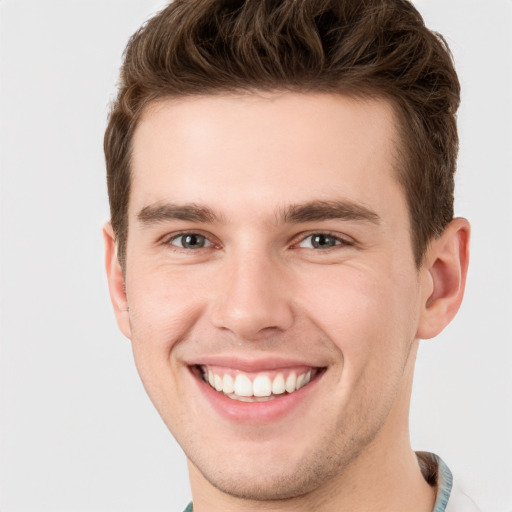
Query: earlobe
{"points": [[445, 270], [115, 279]]}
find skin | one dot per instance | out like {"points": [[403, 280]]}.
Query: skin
{"points": [[259, 288]]}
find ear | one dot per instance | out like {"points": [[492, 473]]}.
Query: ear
{"points": [[115, 279], [444, 278]]}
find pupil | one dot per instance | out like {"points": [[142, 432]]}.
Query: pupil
{"points": [[193, 241], [323, 241]]}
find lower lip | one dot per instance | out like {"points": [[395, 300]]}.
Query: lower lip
{"points": [[256, 412]]}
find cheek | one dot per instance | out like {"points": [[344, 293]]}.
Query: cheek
{"points": [[163, 305], [368, 315]]}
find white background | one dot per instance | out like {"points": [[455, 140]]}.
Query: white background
{"points": [[77, 431]]}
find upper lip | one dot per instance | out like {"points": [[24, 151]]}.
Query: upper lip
{"points": [[246, 364]]}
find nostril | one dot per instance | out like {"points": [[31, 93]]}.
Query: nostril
{"points": [[253, 323]]}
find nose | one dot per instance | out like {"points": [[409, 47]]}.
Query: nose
{"points": [[252, 299]]}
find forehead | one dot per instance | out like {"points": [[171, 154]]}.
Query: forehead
{"points": [[280, 147]]}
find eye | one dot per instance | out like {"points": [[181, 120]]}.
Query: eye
{"points": [[322, 241], [189, 241]]}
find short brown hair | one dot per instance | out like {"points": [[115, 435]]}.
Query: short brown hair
{"points": [[370, 48]]}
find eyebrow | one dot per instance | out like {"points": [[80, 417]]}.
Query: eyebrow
{"points": [[292, 214], [327, 210], [156, 213]]}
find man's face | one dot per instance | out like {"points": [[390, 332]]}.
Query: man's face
{"points": [[269, 244]]}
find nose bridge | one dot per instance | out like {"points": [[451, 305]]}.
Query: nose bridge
{"points": [[252, 297]]}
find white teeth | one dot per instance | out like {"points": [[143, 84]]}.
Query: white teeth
{"points": [[278, 386], [228, 384], [262, 386], [241, 398], [243, 385], [290, 382], [251, 398], [218, 382]]}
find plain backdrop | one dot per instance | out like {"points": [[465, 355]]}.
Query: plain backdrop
{"points": [[77, 430]]}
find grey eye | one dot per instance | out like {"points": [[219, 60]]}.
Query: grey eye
{"points": [[190, 241], [320, 241], [323, 241]]}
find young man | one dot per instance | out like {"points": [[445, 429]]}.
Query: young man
{"points": [[282, 236]]}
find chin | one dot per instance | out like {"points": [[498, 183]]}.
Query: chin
{"points": [[272, 476], [255, 484]]}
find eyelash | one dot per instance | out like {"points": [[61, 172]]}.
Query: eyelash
{"points": [[339, 241]]}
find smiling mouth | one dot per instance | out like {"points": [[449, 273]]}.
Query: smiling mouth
{"points": [[256, 387]]}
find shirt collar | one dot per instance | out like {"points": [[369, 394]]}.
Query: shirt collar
{"points": [[437, 474]]}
